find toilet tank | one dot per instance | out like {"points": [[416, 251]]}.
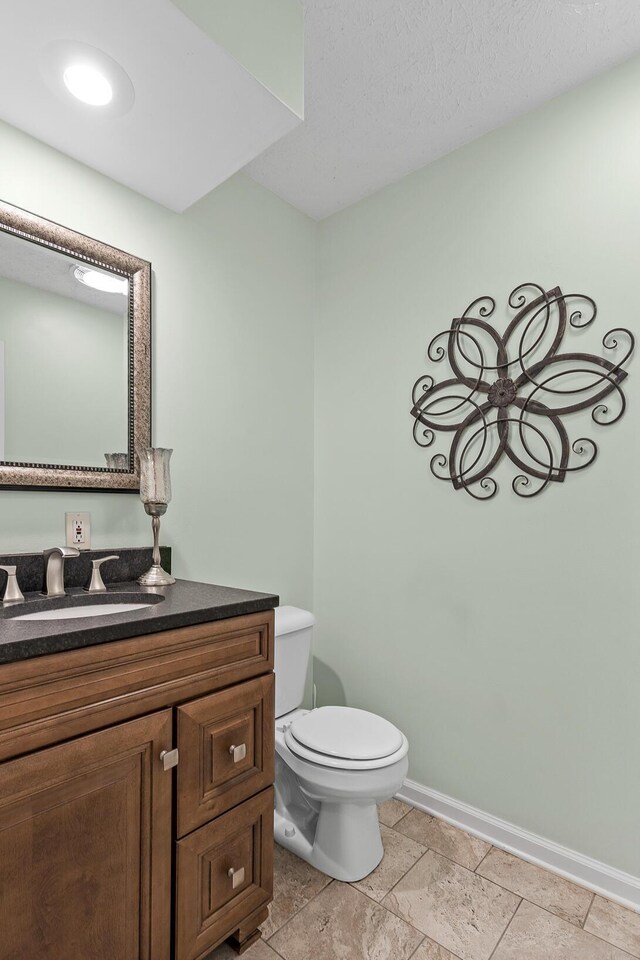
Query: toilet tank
{"points": [[293, 630]]}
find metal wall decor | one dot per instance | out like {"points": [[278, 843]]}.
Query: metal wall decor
{"points": [[508, 393]]}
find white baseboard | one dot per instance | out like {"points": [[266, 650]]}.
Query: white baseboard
{"points": [[607, 881]]}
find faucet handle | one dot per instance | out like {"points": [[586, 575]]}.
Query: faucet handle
{"points": [[97, 583], [12, 593]]}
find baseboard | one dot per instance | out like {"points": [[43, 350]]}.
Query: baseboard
{"points": [[607, 881]]}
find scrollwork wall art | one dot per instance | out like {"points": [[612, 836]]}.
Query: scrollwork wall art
{"points": [[509, 392]]}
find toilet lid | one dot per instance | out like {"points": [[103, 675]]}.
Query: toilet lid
{"points": [[346, 733]]}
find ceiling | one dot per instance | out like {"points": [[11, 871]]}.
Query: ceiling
{"points": [[393, 84], [187, 114]]}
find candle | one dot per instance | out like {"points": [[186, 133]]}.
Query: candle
{"points": [[155, 478]]}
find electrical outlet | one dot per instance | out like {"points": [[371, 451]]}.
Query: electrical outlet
{"points": [[78, 527]]}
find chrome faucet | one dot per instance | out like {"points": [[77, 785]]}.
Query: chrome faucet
{"points": [[54, 569]]}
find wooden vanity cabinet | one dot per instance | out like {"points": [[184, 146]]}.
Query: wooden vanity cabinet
{"points": [[108, 850]]}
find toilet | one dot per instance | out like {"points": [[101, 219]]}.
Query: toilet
{"points": [[333, 765]]}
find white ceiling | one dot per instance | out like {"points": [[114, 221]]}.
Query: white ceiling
{"points": [[393, 84], [197, 115]]}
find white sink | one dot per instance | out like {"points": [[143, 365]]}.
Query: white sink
{"points": [[89, 610]]}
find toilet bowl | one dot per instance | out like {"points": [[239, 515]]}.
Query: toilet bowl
{"points": [[333, 766]]}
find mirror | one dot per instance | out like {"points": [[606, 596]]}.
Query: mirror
{"points": [[74, 358]]}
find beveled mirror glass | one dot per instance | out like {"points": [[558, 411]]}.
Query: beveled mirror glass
{"points": [[75, 362]]}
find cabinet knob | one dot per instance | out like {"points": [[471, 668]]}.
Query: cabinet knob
{"points": [[169, 759], [238, 753], [236, 876]]}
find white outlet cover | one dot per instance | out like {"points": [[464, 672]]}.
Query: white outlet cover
{"points": [[78, 530]]}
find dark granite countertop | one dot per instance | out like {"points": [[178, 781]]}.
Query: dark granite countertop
{"points": [[179, 605]]}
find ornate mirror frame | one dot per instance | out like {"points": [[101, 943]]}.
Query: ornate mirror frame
{"points": [[51, 476]]}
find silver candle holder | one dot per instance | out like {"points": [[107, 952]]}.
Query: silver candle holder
{"points": [[155, 493]]}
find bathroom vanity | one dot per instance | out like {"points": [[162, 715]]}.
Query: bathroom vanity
{"points": [[136, 776]]}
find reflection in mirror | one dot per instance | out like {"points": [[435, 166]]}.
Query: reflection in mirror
{"points": [[63, 357], [117, 461], [75, 334], [1, 399]]}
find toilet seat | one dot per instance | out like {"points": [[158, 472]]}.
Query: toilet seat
{"points": [[346, 738]]}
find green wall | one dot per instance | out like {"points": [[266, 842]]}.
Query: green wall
{"points": [[502, 637], [234, 281], [266, 38]]}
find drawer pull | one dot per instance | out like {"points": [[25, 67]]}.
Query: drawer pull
{"points": [[237, 877], [238, 753], [169, 759]]}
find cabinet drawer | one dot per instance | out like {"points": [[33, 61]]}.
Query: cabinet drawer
{"points": [[226, 744], [224, 873]]}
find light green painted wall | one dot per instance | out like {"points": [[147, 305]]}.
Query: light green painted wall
{"points": [[501, 637], [234, 280], [266, 38], [65, 377]]}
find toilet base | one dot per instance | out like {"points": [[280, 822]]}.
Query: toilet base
{"points": [[347, 844]]}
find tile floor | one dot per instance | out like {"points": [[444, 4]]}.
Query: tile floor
{"points": [[439, 894]]}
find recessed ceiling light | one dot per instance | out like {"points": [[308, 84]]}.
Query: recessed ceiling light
{"points": [[87, 83], [91, 76], [98, 280]]}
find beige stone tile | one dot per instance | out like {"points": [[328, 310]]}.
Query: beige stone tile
{"points": [[615, 924], [535, 934], [466, 850], [537, 885], [259, 951], [295, 882], [430, 950], [400, 854], [342, 924], [391, 811], [458, 909]]}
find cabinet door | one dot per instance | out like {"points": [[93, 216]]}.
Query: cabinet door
{"points": [[224, 874], [85, 847], [226, 744]]}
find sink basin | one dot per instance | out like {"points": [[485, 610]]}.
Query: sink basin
{"points": [[88, 610]]}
